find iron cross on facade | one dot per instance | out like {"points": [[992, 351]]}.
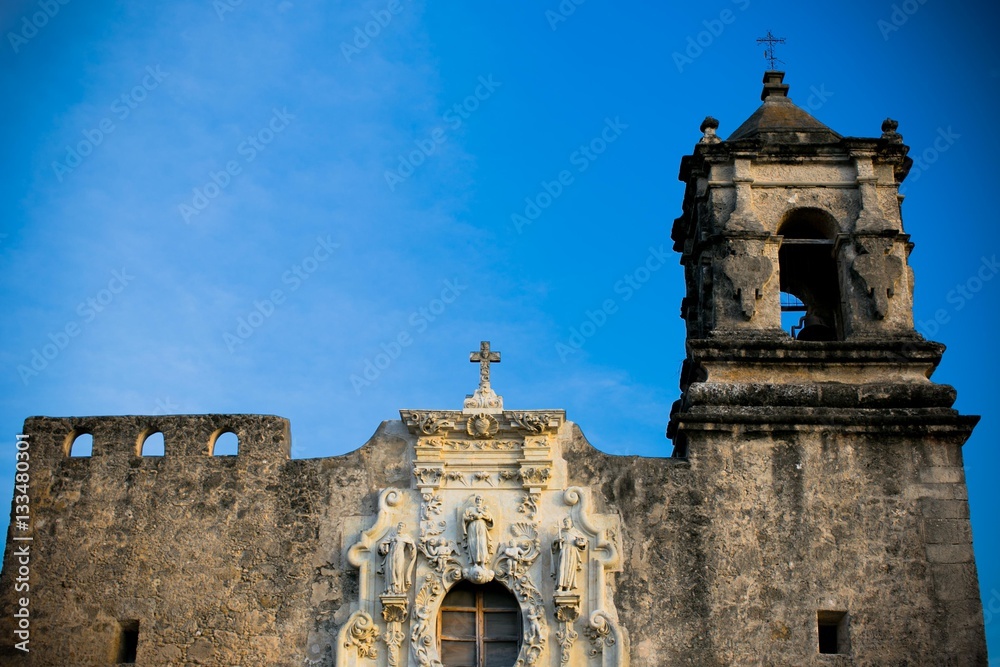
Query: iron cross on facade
{"points": [[485, 358], [770, 40]]}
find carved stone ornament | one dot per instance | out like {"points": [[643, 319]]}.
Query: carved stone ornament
{"points": [[889, 132], [879, 271], [362, 634], [748, 275], [427, 476], [599, 631], [531, 422], [484, 513], [482, 426], [567, 611], [394, 610], [429, 423], [532, 476], [708, 128]]}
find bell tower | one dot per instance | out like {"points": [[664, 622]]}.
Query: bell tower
{"points": [[806, 392]]}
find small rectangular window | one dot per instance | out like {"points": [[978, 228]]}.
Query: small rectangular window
{"points": [[128, 642], [832, 632]]}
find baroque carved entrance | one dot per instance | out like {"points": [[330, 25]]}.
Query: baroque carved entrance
{"points": [[488, 505]]}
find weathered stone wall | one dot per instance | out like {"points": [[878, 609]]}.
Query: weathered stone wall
{"points": [[213, 556], [728, 558], [728, 555]]}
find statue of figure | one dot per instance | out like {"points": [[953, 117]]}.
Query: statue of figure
{"points": [[400, 554], [438, 551], [477, 522], [534, 634], [568, 548]]}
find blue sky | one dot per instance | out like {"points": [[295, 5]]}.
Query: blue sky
{"points": [[172, 168]]}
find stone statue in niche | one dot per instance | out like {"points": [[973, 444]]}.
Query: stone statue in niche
{"points": [[400, 557], [568, 548], [476, 524]]}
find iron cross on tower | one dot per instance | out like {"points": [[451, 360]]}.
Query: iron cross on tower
{"points": [[770, 40], [485, 358]]}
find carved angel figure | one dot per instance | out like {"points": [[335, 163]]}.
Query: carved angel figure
{"points": [[400, 557], [476, 524], [568, 548]]}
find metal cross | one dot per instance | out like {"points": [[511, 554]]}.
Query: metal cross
{"points": [[771, 40], [485, 358]]}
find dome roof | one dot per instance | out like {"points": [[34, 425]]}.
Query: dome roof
{"points": [[779, 120]]}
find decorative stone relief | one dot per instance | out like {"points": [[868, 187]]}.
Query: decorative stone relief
{"points": [[361, 635], [748, 275], [428, 423], [427, 476], [878, 270], [476, 511], [533, 423], [482, 426]]}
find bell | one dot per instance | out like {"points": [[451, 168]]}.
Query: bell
{"points": [[816, 329]]}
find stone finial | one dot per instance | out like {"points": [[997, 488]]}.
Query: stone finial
{"points": [[773, 85], [889, 131], [484, 399], [708, 128]]}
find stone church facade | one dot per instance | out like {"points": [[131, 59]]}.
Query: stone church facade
{"points": [[814, 511]]}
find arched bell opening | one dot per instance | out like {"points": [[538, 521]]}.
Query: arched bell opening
{"points": [[810, 292], [479, 625]]}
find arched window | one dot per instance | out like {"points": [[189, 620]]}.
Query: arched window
{"points": [[82, 444], [225, 444], [479, 626], [810, 293], [152, 444]]}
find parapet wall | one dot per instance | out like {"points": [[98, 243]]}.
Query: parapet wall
{"points": [[200, 552], [183, 435]]}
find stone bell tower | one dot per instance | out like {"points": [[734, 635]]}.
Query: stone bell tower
{"points": [[836, 458]]}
